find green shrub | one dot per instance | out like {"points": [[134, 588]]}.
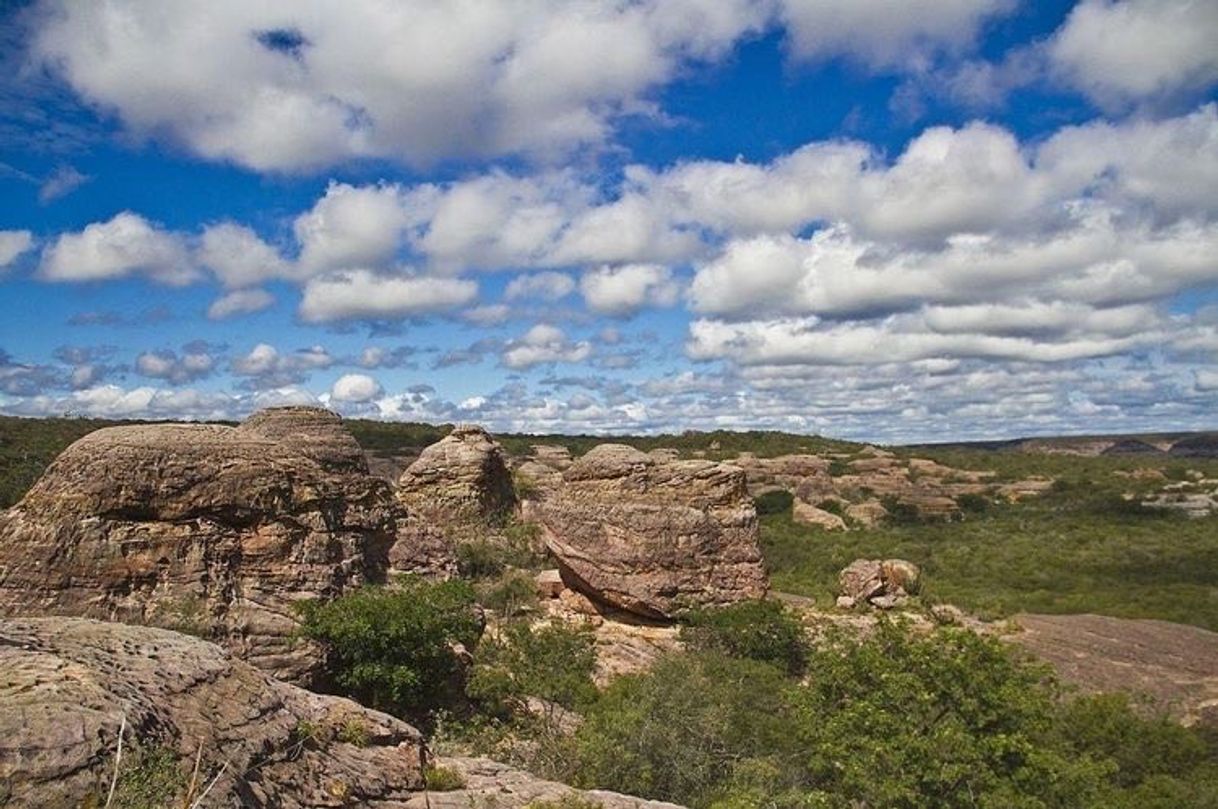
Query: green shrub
{"points": [[443, 779], [391, 647], [949, 719], [568, 801], [305, 733], [149, 778], [525, 488], [758, 630], [833, 506], [511, 594], [1105, 726], [900, 513], [480, 559], [973, 503], [355, 732], [553, 663], [775, 502], [899, 719], [679, 732]]}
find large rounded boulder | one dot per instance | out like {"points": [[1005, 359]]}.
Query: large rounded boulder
{"points": [[209, 529], [651, 537]]}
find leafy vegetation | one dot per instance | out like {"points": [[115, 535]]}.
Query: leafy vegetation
{"points": [[755, 630], [552, 663], [899, 719], [148, 778], [443, 779], [27, 447], [392, 647]]}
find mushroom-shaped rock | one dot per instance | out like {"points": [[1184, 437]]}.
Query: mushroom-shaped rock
{"points": [[211, 529], [654, 538], [70, 684], [460, 479]]}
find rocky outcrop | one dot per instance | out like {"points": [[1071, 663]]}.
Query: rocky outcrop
{"points": [[209, 529], [460, 480], [884, 584], [69, 684], [654, 538], [808, 514]]}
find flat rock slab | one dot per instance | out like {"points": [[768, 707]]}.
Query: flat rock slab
{"points": [[491, 785], [1174, 665]]}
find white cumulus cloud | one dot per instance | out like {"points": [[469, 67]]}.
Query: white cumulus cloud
{"points": [[123, 246], [365, 295], [355, 388], [622, 291]]}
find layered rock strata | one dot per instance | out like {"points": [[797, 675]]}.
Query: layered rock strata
{"points": [[653, 538]]}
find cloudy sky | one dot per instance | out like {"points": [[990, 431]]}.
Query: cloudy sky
{"points": [[893, 220]]}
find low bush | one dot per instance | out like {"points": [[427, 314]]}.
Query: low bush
{"points": [[392, 647], [553, 663], [898, 719], [775, 502], [443, 779], [511, 594], [757, 630]]}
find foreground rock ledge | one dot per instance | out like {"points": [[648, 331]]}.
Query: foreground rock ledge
{"points": [[209, 529], [67, 683], [654, 538]]}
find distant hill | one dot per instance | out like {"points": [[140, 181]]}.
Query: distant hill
{"points": [[1181, 445]]}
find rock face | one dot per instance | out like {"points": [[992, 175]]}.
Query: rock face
{"points": [[654, 538], [883, 584], [213, 530], [461, 479], [68, 683]]}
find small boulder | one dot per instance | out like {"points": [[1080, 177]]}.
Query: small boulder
{"points": [[882, 584], [808, 514], [549, 584]]}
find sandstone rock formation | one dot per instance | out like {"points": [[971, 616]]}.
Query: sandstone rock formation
{"points": [[883, 584], [68, 683], [654, 538], [808, 514], [460, 480], [210, 529]]}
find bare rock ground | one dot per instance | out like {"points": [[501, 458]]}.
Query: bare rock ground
{"points": [[491, 785], [1174, 665]]}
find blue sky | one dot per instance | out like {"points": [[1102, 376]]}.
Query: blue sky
{"points": [[892, 221]]}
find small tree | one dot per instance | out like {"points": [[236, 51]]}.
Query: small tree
{"points": [[757, 630], [553, 663], [393, 647]]}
